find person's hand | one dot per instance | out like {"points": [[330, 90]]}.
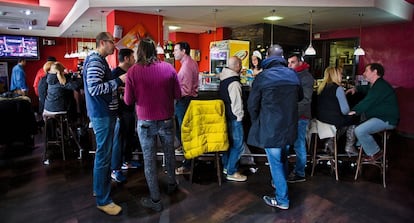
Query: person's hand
{"points": [[122, 77], [351, 113], [351, 90]]}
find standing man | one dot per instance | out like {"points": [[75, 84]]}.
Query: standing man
{"points": [[18, 78], [152, 85], [188, 78], [125, 123], [296, 62], [231, 94], [379, 108], [273, 108], [101, 94]]}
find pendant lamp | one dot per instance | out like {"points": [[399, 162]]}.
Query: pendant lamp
{"points": [[159, 49], [66, 54], [214, 47], [359, 51], [310, 51]]}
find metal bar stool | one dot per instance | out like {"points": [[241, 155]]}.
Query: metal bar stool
{"points": [[380, 163], [61, 128], [324, 131]]}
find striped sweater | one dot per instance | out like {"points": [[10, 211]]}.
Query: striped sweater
{"points": [[100, 87]]}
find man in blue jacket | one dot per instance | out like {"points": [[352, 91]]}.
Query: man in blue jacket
{"points": [[273, 108]]}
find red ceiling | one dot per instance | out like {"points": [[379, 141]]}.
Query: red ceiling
{"points": [[58, 8]]}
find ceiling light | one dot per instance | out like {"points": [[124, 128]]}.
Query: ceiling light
{"points": [[310, 50], [173, 27], [27, 12], [359, 51], [273, 18]]}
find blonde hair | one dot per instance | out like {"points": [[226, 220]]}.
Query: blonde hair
{"points": [[331, 75], [47, 65], [59, 69]]}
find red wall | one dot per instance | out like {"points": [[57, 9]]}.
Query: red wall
{"points": [[190, 38]]}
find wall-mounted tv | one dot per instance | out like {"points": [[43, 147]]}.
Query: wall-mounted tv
{"points": [[13, 47]]}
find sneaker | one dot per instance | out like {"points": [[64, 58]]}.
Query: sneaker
{"points": [[182, 170], [131, 165], [46, 162], [271, 201], [238, 177], [149, 203], [111, 209], [117, 176], [179, 150], [225, 171], [293, 178]]}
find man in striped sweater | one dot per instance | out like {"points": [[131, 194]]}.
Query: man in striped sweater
{"points": [[101, 94]]}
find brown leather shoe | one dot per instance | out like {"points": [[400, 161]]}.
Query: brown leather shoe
{"points": [[374, 157]]}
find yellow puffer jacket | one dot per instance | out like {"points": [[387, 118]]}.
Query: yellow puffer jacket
{"points": [[204, 128]]}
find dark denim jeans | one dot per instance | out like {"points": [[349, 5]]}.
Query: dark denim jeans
{"points": [[300, 147], [104, 133], [148, 131]]}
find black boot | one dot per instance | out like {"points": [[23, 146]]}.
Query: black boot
{"points": [[350, 141]]}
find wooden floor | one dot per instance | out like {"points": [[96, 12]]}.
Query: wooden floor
{"points": [[62, 192]]}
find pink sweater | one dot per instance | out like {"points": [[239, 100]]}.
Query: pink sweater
{"points": [[153, 89]]}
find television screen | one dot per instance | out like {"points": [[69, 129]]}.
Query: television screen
{"points": [[13, 47]]}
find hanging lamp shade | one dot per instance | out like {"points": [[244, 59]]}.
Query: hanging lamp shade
{"points": [[359, 51], [159, 48], [310, 51]]}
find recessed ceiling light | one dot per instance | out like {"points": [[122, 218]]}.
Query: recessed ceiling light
{"points": [[173, 27], [27, 12], [3, 13], [273, 18]]}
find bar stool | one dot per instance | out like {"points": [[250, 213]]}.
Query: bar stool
{"points": [[381, 163], [62, 127], [324, 131]]}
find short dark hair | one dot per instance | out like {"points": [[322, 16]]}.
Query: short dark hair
{"points": [[297, 55], [126, 52], [51, 58], [378, 67], [146, 53], [184, 46], [20, 59]]}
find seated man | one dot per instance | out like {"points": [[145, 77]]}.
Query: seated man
{"points": [[379, 108]]}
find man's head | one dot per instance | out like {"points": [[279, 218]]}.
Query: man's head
{"points": [[235, 64], [21, 61], [180, 49], [146, 53], [373, 71], [51, 58], [275, 51], [294, 61], [126, 57], [105, 44]]}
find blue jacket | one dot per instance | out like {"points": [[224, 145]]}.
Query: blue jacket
{"points": [[18, 79], [58, 96], [273, 105]]}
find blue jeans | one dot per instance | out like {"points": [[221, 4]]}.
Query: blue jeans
{"points": [[300, 148], [104, 132], [148, 132], [278, 163], [232, 156], [118, 148], [364, 132]]}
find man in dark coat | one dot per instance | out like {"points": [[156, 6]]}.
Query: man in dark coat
{"points": [[273, 108]]}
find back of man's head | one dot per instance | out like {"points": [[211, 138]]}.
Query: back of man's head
{"points": [[235, 64], [275, 51], [126, 52]]}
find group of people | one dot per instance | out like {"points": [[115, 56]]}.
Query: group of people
{"points": [[149, 91]]}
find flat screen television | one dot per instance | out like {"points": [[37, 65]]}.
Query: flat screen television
{"points": [[13, 47]]}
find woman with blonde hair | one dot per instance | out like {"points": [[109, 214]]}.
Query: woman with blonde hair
{"points": [[333, 107]]}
